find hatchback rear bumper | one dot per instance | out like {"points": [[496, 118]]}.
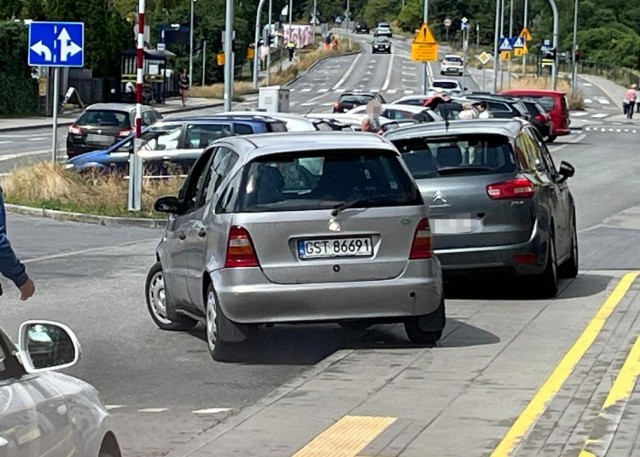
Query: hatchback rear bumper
{"points": [[246, 296], [503, 258]]}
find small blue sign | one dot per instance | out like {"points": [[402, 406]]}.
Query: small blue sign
{"points": [[518, 42], [505, 44], [56, 44]]}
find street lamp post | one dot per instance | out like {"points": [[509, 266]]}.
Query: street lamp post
{"points": [[496, 40], [228, 55], [526, 24], [501, 36], [574, 76], [191, 45], [425, 76], [269, 47], [256, 46], [510, 35], [554, 68]]}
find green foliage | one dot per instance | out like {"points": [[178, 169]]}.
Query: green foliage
{"points": [[20, 89], [380, 10]]}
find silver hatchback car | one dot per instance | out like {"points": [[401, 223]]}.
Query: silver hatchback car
{"points": [[294, 228]]}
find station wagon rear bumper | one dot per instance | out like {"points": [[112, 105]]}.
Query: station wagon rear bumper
{"points": [[247, 296]]}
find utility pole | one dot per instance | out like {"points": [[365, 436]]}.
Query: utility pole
{"points": [[135, 163], [313, 27], [526, 24], [228, 56], [269, 36], [256, 46], [191, 45], [510, 35], [574, 76], [501, 36], [425, 76], [496, 40], [554, 68], [477, 36], [465, 47], [347, 23], [204, 61]]}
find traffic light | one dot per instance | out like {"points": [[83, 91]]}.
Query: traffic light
{"points": [[577, 56]]}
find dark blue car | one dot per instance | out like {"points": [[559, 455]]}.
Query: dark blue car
{"points": [[171, 147]]}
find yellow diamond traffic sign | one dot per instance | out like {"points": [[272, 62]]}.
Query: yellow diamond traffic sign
{"points": [[484, 58], [519, 52], [526, 35], [505, 55]]}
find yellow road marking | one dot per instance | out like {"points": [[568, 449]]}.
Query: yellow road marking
{"points": [[563, 370], [620, 392], [347, 437]]}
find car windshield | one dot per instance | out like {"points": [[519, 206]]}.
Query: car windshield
{"points": [[445, 84], [104, 118], [356, 99], [324, 180], [457, 155], [382, 40], [453, 60]]}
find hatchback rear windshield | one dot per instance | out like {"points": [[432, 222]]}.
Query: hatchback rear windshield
{"points": [[356, 99], [324, 180], [453, 60], [548, 103], [104, 118], [445, 84], [457, 155]]}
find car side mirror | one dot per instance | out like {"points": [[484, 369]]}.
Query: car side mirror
{"points": [[566, 171], [46, 346], [169, 205]]}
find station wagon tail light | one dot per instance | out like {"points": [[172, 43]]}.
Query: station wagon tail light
{"points": [[512, 189], [421, 247], [240, 252], [124, 133], [75, 130]]}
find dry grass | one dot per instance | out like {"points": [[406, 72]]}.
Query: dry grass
{"points": [[45, 185], [217, 90], [576, 102]]}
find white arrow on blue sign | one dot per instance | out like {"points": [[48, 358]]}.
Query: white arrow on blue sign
{"points": [[518, 42], [505, 44], [56, 44]]}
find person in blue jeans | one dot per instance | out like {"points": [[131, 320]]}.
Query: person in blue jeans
{"points": [[10, 266]]}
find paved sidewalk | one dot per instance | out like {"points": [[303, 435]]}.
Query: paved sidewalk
{"points": [[172, 105]]}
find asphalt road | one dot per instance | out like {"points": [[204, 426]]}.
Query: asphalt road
{"points": [[163, 388]]}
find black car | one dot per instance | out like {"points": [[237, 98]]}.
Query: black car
{"points": [[361, 27], [349, 100], [540, 119], [381, 44], [102, 124], [501, 106]]}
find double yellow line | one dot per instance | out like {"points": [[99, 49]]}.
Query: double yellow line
{"points": [[620, 392]]}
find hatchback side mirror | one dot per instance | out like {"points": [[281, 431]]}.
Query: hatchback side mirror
{"points": [[169, 205], [566, 171], [46, 346]]}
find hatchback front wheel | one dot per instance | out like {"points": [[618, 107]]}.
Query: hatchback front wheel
{"points": [[157, 302]]}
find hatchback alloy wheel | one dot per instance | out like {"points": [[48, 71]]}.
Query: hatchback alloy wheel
{"points": [[212, 321], [156, 296]]}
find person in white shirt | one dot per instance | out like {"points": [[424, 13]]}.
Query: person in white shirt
{"points": [[482, 110]]}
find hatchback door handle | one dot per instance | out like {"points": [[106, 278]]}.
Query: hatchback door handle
{"points": [[202, 232], [182, 235]]}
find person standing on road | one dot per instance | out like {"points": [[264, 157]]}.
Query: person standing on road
{"points": [[630, 98], [183, 86], [10, 265]]}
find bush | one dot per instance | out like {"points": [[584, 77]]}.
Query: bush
{"points": [[20, 90], [45, 185]]}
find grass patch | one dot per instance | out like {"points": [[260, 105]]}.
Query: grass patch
{"points": [[49, 186], [576, 102]]}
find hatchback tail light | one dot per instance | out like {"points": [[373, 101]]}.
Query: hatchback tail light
{"points": [[513, 189], [421, 247], [124, 133], [542, 117], [240, 251], [75, 129]]}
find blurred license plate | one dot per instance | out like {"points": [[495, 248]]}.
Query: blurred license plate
{"points": [[450, 226], [100, 139], [336, 247]]}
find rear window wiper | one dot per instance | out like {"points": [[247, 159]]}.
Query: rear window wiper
{"points": [[462, 170], [363, 201]]}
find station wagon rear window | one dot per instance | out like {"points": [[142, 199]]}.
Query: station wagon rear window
{"points": [[325, 180], [548, 103], [104, 118], [457, 155]]}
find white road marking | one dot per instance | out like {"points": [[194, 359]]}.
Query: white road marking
{"points": [[153, 410], [306, 89], [588, 100], [339, 90], [5, 157], [327, 104], [9, 135], [587, 84], [579, 114], [323, 90], [604, 101], [112, 407], [87, 251], [387, 79], [6, 142], [392, 91], [348, 72], [600, 115], [408, 91], [211, 411], [374, 90]]}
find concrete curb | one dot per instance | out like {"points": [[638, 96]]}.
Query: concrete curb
{"points": [[321, 59], [67, 216], [68, 121]]}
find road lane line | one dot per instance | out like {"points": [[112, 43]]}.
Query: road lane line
{"points": [[88, 251], [5, 157], [387, 79], [347, 437], [538, 405], [153, 410], [212, 410], [607, 421], [347, 73]]}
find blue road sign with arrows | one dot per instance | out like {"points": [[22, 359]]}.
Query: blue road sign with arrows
{"points": [[505, 44], [56, 44]]}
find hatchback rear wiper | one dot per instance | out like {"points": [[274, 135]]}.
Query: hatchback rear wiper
{"points": [[363, 201], [462, 170]]}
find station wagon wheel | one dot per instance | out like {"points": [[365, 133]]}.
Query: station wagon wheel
{"points": [[436, 319], [157, 302], [570, 268], [547, 282]]}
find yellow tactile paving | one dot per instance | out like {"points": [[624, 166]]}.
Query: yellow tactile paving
{"points": [[347, 437]]}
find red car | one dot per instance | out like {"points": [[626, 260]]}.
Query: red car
{"points": [[554, 103]]}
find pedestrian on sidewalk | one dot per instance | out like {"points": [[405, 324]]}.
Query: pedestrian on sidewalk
{"points": [[291, 47], [10, 265], [183, 86], [630, 100]]}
